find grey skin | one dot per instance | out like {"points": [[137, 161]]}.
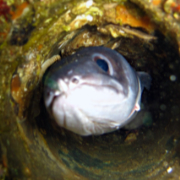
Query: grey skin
{"points": [[88, 99]]}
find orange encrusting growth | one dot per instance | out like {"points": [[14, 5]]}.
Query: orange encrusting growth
{"points": [[3, 35], [15, 86], [16, 14], [125, 17], [40, 46], [175, 7], [156, 2]]}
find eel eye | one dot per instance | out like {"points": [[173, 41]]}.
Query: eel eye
{"points": [[102, 64]]}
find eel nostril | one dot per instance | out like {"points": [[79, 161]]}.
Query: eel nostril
{"points": [[75, 80]]}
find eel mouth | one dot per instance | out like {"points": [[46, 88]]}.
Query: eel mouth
{"points": [[111, 88]]}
